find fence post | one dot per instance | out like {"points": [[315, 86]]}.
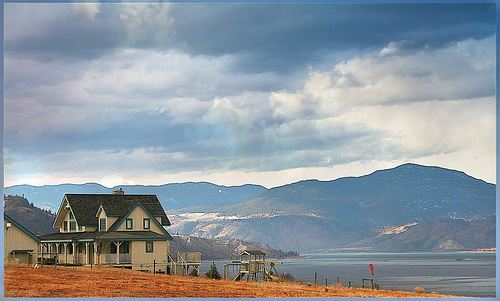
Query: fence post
{"points": [[154, 266], [326, 281], [315, 277]]}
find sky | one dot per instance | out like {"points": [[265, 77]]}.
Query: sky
{"points": [[235, 93]]}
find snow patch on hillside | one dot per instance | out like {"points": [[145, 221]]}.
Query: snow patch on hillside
{"points": [[395, 229], [213, 216]]}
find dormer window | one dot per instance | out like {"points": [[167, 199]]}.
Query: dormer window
{"points": [[102, 224], [128, 224], [65, 226], [72, 225]]}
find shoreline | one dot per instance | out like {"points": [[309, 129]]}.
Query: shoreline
{"points": [[349, 250]]}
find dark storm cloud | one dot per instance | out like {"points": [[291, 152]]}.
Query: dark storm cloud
{"points": [[284, 36], [58, 32], [278, 37]]}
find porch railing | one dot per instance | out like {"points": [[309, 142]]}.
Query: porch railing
{"points": [[124, 258], [80, 258], [188, 257]]}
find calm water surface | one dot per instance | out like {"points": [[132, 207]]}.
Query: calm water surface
{"points": [[456, 273]]}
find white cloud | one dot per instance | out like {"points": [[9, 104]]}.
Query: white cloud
{"points": [[434, 126], [85, 96], [450, 73], [461, 71], [414, 106], [147, 23], [458, 133], [182, 110], [88, 10], [371, 111], [115, 180], [396, 47]]}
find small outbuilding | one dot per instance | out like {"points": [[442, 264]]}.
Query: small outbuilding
{"points": [[20, 244]]}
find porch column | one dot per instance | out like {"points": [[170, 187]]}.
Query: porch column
{"points": [[40, 251], [65, 252], [86, 253], [47, 250], [57, 251], [74, 252], [95, 252], [117, 251]]}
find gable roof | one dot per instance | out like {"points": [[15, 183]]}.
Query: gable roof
{"points": [[121, 219], [252, 252], [28, 232], [85, 206]]}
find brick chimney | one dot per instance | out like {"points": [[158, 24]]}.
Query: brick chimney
{"points": [[119, 192]]}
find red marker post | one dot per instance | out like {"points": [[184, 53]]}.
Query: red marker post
{"points": [[371, 268]]}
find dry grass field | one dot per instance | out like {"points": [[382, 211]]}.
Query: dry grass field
{"points": [[22, 281]]}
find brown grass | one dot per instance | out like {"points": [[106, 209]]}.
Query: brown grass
{"points": [[21, 281]]}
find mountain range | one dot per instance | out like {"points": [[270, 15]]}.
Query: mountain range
{"points": [[171, 196], [357, 212], [395, 209]]}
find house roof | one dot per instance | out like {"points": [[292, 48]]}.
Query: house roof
{"points": [[20, 251], [85, 206], [28, 232], [69, 236], [103, 236], [252, 252], [133, 235]]}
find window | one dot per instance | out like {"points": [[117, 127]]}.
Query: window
{"points": [[102, 224], [149, 247], [145, 223], [72, 225], [79, 228], [70, 249], [128, 223], [65, 226]]}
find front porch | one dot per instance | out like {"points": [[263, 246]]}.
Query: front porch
{"points": [[86, 253], [120, 254]]}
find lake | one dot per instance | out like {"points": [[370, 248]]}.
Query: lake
{"points": [[455, 273]]}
